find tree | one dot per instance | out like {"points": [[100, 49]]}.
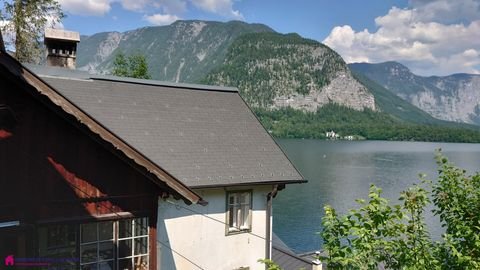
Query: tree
{"points": [[120, 66], [379, 234], [134, 66], [26, 23], [269, 264], [457, 201], [138, 67]]}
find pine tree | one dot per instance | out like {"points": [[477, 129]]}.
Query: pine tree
{"points": [[138, 67], [26, 23]]}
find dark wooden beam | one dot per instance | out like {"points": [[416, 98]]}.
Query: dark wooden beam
{"points": [[2, 45]]}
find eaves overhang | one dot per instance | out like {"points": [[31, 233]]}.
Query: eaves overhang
{"points": [[244, 184], [24, 74]]}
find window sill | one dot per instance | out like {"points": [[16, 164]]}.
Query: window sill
{"points": [[233, 231]]}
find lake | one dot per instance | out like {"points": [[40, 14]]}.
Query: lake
{"points": [[341, 171]]}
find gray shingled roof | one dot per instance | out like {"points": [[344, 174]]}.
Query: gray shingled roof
{"points": [[286, 258], [203, 137]]}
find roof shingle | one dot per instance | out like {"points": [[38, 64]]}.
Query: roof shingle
{"points": [[203, 137]]}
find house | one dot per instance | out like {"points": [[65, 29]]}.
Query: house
{"points": [[73, 193], [332, 135], [113, 172]]}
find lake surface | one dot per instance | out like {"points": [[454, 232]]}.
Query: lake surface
{"points": [[341, 171]]}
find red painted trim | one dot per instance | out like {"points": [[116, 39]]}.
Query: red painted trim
{"points": [[83, 189], [5, 134], [152, 234]]}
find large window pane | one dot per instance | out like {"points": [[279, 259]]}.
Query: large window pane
{"points": [[60, 235], [105, 230], [88, 253], [141, 226], [125, 248], [125, 228], [141, 245], [89, 232], [106, 250], [125, 264], [92, 266], [58, 241], [105, 245], [106, 265]]}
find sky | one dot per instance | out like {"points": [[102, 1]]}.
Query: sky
{"points": [[431, 37]]}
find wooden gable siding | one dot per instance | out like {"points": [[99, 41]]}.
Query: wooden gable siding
{"points": [[51, 170]]}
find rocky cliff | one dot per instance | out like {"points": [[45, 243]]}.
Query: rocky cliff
{"points": [[273, 70], [453, 98], [181, 52]]}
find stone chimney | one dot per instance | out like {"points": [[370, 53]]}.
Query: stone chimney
{"points": [[61, 47]]}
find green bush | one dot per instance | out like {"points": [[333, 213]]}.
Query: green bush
{"points": [[395, 236]]}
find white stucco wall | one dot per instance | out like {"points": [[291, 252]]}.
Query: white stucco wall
{"points": [[203, 241]]}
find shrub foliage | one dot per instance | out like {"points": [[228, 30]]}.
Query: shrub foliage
{"points": [[379, 234]]}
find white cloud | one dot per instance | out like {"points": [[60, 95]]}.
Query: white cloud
{"points": [[464, 61], [221, 7], [135, 5], [155, 11], [167, 6], [446, 11], [161, 19], [54, 22], [419, 37], [86, 7], [171, 6]]}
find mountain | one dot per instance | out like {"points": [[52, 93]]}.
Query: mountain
{"points": [[297, 87], [452, 98], [391, 104], [274, 70], [181, 52]]}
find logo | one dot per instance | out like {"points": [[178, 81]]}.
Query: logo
{"points": [[36, 262], [9, 261]]}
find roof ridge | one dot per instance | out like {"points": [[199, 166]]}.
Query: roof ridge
{"points": [[164, 83], [63, 73], [64, 78]]}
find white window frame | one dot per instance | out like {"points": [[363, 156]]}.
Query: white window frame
{"points": [[97, 242], [133, 237], [115, 239], [238, 211]]}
